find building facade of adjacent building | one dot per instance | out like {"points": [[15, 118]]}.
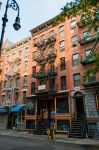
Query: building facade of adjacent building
{"points": [[14, 82]]}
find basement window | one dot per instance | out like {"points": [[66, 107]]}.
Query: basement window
{"points": [[63, 125]]}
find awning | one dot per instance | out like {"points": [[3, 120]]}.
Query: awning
{"points": [[3, 110], [17, 108]]}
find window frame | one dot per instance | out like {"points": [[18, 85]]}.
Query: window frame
{"points": [[76, 84], [62, 63], [75, 60], [61, 48], [61, 30], [63, 83], [74, 25]]}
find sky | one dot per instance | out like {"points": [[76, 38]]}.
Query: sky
{"points": [[32, 14]]}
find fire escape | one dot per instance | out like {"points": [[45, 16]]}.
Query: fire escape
{"points": [[45, 60], [12, 89], [90, 59]]}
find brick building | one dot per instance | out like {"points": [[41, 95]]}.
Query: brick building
{"points": [[57, 92], [60, 55], [14, 74]]}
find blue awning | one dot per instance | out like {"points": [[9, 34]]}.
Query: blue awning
{"points": [[17, 108], [3, 110]]}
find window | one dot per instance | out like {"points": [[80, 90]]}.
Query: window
{"points": [[26, 51], [73, 24], [61, 45], [61, 30], [13, 56], [75, 60], [5, 84], [34, 55], [10, 84], [63, 125], [34, 70], [25, 80], [62, 63], [16, 97], [25, 65], [43, 37], [76, 78], [24, 97], [3, 99], [32, 88], [20, 53], [51, 33], [31, 105], [86, 34], [87, 52], [74, 40], [62, 105], [63, 83], [17, 82]]}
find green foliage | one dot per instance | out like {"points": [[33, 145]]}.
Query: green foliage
{"points": [[84, 8]]}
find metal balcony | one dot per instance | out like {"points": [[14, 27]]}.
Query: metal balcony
{"points": [[52, 55], [39, 59], [88, 39], [47, 74], [51, 39], [87, 61], [37, 44], [90, 81], [17, 88]]}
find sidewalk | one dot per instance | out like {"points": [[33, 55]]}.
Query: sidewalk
{"points": [[57, 138]]}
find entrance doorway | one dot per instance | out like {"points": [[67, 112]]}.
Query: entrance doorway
{"points": [[44, 108], [79, 107]]}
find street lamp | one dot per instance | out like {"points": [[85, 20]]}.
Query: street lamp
{"points": [[10, 4], [0, 5]]}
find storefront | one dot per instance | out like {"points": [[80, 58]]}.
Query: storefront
{"points": [[16, 117], [3, 117], [42, 107]]}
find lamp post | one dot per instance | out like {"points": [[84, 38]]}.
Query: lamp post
{"points": [[0, 5], [10, 4]]}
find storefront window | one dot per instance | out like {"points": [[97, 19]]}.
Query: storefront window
{"points": [[63, 125], [62, 106], [31, 107]]}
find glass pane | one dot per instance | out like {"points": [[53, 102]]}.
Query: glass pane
{"points": [[75, 38], [73, 23], [63, 125], [62, 106]]}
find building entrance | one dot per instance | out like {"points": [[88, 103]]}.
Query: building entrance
{"points": [[44, 108], [79, 107]]}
